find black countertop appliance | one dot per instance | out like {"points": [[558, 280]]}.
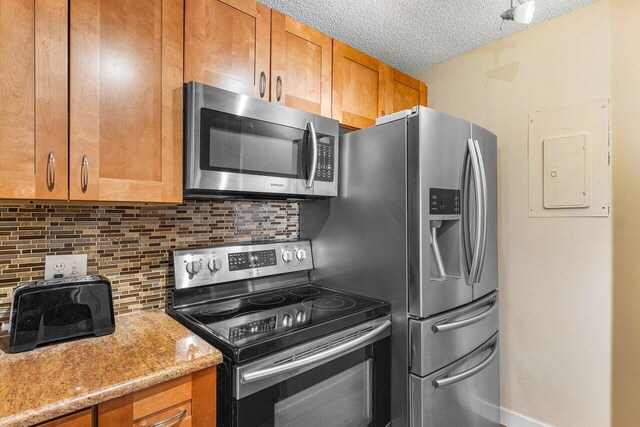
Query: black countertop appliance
{"points": [[54, 310]]}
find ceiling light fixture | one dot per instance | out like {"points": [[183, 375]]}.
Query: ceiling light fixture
{"points": [[522, 13]]}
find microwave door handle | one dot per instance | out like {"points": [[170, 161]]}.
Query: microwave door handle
{"points": [[314, 155], [446, 380], [321, 356], [483, 180]]}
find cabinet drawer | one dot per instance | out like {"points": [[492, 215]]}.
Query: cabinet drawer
{"points": [[162, 396], [79, 419], [444, 338], [179, 415]]}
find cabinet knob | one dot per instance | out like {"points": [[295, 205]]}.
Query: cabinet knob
{"points": [[279, 88], [263, 84], [84, 174], [51, 171]]}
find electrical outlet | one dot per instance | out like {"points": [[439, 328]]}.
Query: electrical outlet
{"points": [[65, 265]]}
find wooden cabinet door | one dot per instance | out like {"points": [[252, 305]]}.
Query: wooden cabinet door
{"points": [[301, 59], [404, 91], [33, 99], [79, 419], [126, 100], [227, 45], [359, 87]]}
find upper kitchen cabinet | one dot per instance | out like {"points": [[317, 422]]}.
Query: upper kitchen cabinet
{"points": [[301, 67], [404, 91], [227, 45], [126, 100], [33, 93], [359, 87]]}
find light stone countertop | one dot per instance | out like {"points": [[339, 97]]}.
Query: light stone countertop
{"points": [[147, 348]]}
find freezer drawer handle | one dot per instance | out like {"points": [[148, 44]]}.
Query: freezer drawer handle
{"points": [[321, 356], [442, 382], [444, 326]]}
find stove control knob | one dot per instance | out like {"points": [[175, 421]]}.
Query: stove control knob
{"points": [[301, 316], [287, 256], [301, 254], [215, 264], [287, 320], [193, 267]]}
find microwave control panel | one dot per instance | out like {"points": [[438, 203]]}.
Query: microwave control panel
{"points": [[325, 159]]}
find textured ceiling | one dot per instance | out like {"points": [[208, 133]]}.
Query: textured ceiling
{"points": [[413, 34]]}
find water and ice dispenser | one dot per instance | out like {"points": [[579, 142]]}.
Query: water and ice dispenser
{"points": [[444, 221]]}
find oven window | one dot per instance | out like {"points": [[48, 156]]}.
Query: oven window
{"points": [[350, 391], [343, 400], [237, 144]]}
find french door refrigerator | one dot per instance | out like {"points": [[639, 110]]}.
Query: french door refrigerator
{"points": [[415, 224]]}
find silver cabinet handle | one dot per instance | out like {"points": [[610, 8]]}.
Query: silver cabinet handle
{"points": [[445, 326], [483, 181], [84, 174], [314, 155], [475, 264], [51, 171], [263, 84], [445, 381], [169, 421], [279, 88], [320, 356]]}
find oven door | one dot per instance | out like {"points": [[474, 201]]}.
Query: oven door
{"points": [[237, 146], [340, 381]]}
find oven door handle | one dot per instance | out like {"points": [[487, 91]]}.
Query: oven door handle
{"points": [[314, 155], [345, 347]]}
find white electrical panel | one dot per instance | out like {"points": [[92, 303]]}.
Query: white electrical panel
{"points": [[569, 160], [566, 171]]}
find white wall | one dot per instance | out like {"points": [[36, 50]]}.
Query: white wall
{"points": [[555, 273]]}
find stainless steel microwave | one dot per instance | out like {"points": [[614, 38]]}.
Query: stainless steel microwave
{"points": [[237, 146]]}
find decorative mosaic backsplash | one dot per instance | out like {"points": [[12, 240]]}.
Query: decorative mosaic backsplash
{"points": [[131, 245]]}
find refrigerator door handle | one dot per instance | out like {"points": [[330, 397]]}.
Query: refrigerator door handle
{"points": [[467, 254], [483, 180], [477, 177], [445, 326], [446, 380]]}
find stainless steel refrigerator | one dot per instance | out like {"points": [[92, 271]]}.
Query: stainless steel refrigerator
{"points": [[415, 224]]}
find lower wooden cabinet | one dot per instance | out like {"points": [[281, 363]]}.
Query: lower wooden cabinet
{"points": [[188, 401], [82, 418]]}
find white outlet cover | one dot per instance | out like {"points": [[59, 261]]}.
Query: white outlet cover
{"points": [[66, 265]]}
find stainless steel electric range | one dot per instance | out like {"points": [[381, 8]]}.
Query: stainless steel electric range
{"points": [[295, 353]]}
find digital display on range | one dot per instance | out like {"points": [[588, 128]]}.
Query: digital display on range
{"points": [[255, 259], [444, 202], [256, 327]]}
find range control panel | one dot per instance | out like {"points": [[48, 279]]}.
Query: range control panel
{"points": [[444, 203], [255, 259], [221, 264]]}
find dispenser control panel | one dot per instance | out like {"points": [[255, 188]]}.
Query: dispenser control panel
{"points": [[444, 203]]}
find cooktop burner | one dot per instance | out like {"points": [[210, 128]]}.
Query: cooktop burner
{"points": [[329, 304], [266, 300], [269, 321]]}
